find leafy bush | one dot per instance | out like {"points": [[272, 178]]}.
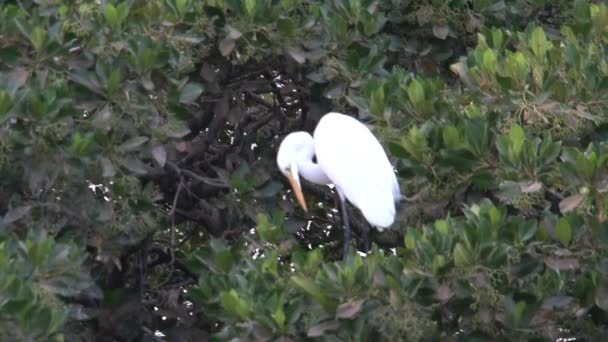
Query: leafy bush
{"points": [[137, 147]]}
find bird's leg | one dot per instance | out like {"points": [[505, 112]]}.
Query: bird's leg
{"points": [[365, 237], [346, 226], [337, 202]]}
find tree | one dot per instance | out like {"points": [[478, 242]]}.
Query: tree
{"points": [[140, 194]]}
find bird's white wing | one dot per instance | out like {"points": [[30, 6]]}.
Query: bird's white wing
{"points": [[354, 160]]}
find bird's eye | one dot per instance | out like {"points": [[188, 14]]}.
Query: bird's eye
{"points": [[314, 159]]}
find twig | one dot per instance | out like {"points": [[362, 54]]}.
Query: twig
{"points": [[180, 186], [415, 197], [172, 246], [206, 180]]}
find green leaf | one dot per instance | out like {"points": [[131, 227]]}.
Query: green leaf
{"points": [[111, 15], [477, 135], [224, 259], [528, 230], [147, 59], [286, 26], [460, 159], [497, 38], [439, 261], [114, 81], [88, 80], [489, 61], [397, 150], [582, 11], [599, 16], [312, 289], [41, 320], [461, 255], [233, 303], [538, 42], [338, 27], [473, 112], [136, 166], [37, 106], [517, 66], [373, 23], [81, 144], [190, 93], [181, 5], [279, 316], [5, 103], [563, 231], [376, 105], [441, 226], [269, 231], [250, 7], [495, 216], [484, 180], [133, 144], [268, 190], [519, 311], [415, 143], [451, 137], [415, 92], [15, 214], [516, 139], [572, 55], [38, 38], [410, 240]]}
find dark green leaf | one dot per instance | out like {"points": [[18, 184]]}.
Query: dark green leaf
{"points": [[563, 231], [133, 144], [136, 166], [190, 93], [270, 189], [14, 214]]}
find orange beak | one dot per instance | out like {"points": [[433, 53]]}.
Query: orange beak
{"points": [[298, 191]]}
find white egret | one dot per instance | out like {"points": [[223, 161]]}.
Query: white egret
{"points": [[348, 156]]}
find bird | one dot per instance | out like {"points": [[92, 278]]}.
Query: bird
{"points": [[350, 157]]}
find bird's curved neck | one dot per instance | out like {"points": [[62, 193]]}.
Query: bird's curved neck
{"points": [[312, 172]]}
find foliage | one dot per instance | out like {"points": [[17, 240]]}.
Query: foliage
{"points": [[36, 273], [137, 147]]}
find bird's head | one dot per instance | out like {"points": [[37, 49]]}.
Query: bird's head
{"points": [[290, 152]]}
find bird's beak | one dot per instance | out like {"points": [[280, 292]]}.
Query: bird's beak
{"points": [[294, 180]]}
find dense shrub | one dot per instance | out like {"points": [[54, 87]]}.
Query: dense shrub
{"points": [[140, 197]]}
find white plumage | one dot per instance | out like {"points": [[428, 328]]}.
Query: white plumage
{"points": [[355, 162], [348, 156]]}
